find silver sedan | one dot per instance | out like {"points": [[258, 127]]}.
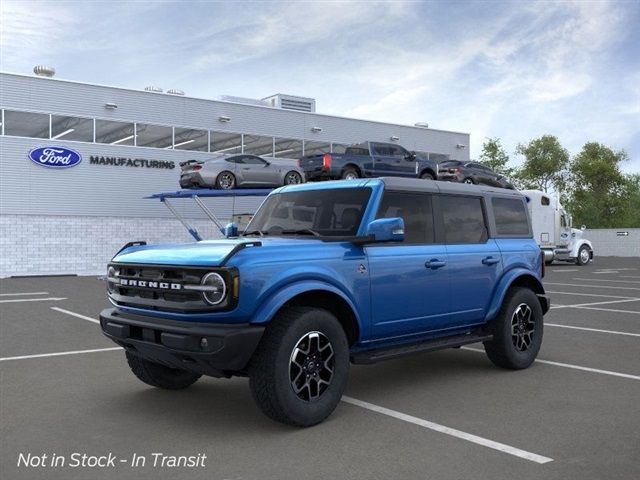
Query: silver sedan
{"points": [[241, 170]]}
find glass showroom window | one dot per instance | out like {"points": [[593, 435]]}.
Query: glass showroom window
{"points": [[191, 139], [156, 136], [226, 143], [26, 124], [316, 148], [288, 148], [114, 133], [338, 148], [71, 128], [258, 145]]}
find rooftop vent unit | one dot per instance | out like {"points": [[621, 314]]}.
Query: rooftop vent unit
{"points": [[175, 91], [244, 100], [291, 102], [44, 71], [152, 88]]}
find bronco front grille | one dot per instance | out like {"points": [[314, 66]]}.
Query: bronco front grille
{"points": [[164, 287]]}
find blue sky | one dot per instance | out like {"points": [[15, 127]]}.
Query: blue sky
{"points": [[515, 70]]}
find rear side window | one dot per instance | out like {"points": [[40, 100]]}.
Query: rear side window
{"points": [[463, 219], [511, 217], [416, 211]]}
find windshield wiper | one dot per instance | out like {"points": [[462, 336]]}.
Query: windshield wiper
{"points": [[254, 232], [302, 231]]}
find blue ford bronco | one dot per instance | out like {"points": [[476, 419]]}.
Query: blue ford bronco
{"points": [[329, 274]]}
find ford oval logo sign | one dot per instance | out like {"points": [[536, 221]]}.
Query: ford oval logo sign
{"points": [[55, 157]]}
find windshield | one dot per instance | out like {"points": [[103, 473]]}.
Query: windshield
{"points": [[328, 213]]}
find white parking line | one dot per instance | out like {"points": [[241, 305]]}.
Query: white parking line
{"points": [[48, 299], [59, 354], [629, 276], [73, 314], [610, 310], [605, 280], [22, 293], [590, 286], [587, 294], [559, 270], [449, 431], [605, 272], [568, 365], [595, 303], [597, 330]]}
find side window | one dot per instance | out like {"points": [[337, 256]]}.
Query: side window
{"points": [[380, 149], [511, 217], [416, 211], [235, 160], [463, 219], [251, 160], [545, 200], [397, 152]]}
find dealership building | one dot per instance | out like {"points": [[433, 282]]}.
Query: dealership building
{"points": [[129, 144]]}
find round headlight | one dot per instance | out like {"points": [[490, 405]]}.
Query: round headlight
{"points": [[217, 291]]}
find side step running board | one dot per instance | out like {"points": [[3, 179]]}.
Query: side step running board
{"points": [[389, 353]]}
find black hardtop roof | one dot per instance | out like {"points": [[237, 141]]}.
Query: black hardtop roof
{"points": [[432, 186]]}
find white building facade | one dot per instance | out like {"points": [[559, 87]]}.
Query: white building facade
{"points": [[129, 144]]}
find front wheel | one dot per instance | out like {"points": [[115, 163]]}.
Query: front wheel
{"points": [[226, 180], [292, 178], [584, 255], [517, 330], [160, 376], [299, 371]]}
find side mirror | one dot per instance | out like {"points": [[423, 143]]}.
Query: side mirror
{"points": [[410, 156], [386, 230], [230, 230]]}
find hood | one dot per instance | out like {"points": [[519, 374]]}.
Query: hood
{"points": [[209, 253]]}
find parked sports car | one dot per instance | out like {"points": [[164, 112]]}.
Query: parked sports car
{"points": [[471, 172], [243, 170]]}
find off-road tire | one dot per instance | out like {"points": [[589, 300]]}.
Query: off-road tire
{"points": [[501, 350], [270, 367], [349, 173], [160, 376], [427, 176], [220, 180], [579, 260]]}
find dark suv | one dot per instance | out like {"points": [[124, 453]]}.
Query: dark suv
{"points": [[471, 172]]}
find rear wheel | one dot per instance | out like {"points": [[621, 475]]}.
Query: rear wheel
{"points": [[300, 368], [469, 181], [584, 255], [350, 173], [226, 180], [517, 330], [427, 176], [160, 376], [292, 178]]}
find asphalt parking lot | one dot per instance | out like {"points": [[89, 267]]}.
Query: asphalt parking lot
{"points": [[575, 413]]}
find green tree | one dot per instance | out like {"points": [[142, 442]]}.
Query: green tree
{"points": [[545, 164], [495, 157], [601, 195]]}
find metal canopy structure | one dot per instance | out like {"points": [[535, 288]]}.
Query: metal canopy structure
{"points": [[197, 195]]}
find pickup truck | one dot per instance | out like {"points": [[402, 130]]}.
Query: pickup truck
{"points": [[329, 274], [368, 159]]}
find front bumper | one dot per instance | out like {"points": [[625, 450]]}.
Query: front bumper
{"points": [[227, 349]]}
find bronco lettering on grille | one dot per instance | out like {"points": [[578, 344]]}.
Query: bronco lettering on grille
{"points": [[144, 283]]}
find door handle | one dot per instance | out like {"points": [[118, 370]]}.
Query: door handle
{"points": [[434, 264], [490, 260]]}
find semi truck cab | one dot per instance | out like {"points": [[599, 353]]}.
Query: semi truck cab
{"points": [[552, 230]]}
